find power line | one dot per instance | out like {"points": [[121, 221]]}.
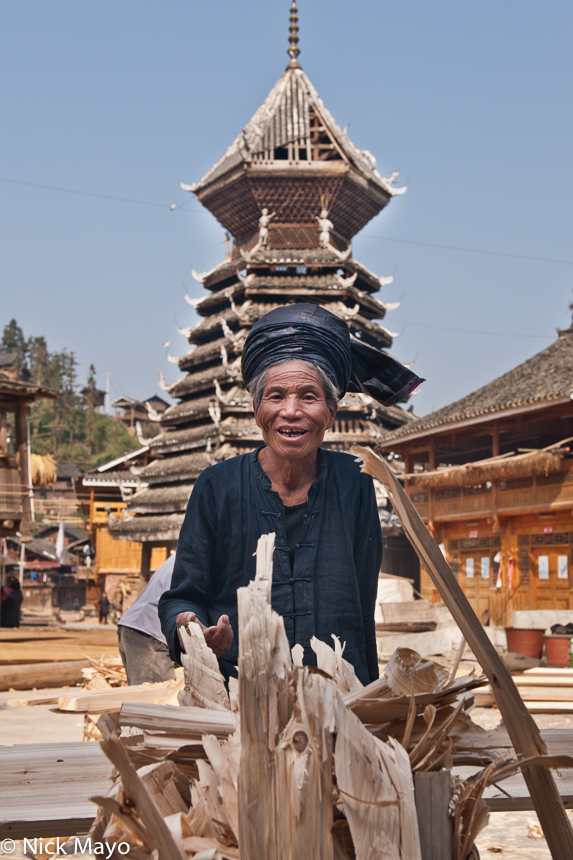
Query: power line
{"points": [[471, 250], [202, 212], [472, 331], [91, 194]]}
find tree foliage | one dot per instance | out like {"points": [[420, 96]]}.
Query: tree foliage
{"points": [[70, 427]]}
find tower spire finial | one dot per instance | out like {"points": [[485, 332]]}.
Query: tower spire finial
{"points": [[293, 50]]}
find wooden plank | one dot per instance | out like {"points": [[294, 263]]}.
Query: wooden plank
{"points": [[522, 729], [549, 707], [433, 793], [44, 785], [544, 681], [546, 671], [546, 694], [193, 722], [420, 611], [111, 701]]}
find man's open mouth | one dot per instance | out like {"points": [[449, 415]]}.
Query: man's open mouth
{"points": [[292, 432]]}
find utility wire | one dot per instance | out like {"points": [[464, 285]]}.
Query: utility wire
{"points": [[91, 194], [470, 330], [366, 235], [471, 250]]}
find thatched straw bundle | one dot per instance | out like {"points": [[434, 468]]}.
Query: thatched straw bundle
{"points": [[43, 470], [499, 468]]}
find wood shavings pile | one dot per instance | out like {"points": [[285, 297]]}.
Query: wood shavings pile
{"points": [[295, 761]]}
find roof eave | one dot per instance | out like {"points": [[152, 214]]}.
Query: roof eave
{"points": [[392, 443]]}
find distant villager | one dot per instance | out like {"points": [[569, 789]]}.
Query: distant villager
{"points": [[12, 599]]}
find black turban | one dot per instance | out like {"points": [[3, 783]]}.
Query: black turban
{"points": [[311, 333]]}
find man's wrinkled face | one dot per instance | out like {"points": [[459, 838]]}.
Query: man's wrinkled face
{"points": [[293, 415]]}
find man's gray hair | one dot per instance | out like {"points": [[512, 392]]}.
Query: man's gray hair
{"points": [[257, 386]]}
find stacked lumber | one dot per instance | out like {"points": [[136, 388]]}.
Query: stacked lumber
{"points": [[546, 690]]}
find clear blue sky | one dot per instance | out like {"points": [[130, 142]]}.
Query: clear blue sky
{"points": [[471, 101]]}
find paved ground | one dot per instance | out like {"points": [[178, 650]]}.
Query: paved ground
{"points": [[39, 724]]}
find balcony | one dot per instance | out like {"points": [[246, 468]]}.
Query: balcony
{"points": [[495, 498]]}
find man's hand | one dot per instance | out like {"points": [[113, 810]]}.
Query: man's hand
{"points": [[219, 638]]}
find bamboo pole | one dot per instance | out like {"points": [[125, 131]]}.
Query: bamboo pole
{"points": [[522, 729]]}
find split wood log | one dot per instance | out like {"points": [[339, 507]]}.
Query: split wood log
{"points": [[375, 783], [333, 663], [289, 716], [204, 683], [41, 675], [265, 704], [522, 729], [303, 759]]}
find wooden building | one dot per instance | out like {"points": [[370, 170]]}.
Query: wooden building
{"points": [[132, 412], [104, 493], [492, 476], [292, 190], [16, 507]]}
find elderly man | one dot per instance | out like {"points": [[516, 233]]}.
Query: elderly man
{"points": [[297, 362]]}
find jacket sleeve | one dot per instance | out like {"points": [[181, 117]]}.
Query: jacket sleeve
{"points": [[368, 560], [191, 581]]}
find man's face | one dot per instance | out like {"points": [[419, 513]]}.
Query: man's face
{"points": [[293, 415]]}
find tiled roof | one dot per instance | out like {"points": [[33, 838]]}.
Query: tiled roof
{"points": [[114, 479], [547, 377], [149, 527]]}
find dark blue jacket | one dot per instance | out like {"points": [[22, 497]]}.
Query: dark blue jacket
{"points": [[333, 586]]}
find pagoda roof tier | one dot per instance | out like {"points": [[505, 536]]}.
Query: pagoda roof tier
{"points": [[185, 439], [148, 528], [170, 469], [322, 260], [208, 352], [291, 157], [204, 380], [237, 399], [328, 286], [161, 500], [249, 312], [544, 380]]}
